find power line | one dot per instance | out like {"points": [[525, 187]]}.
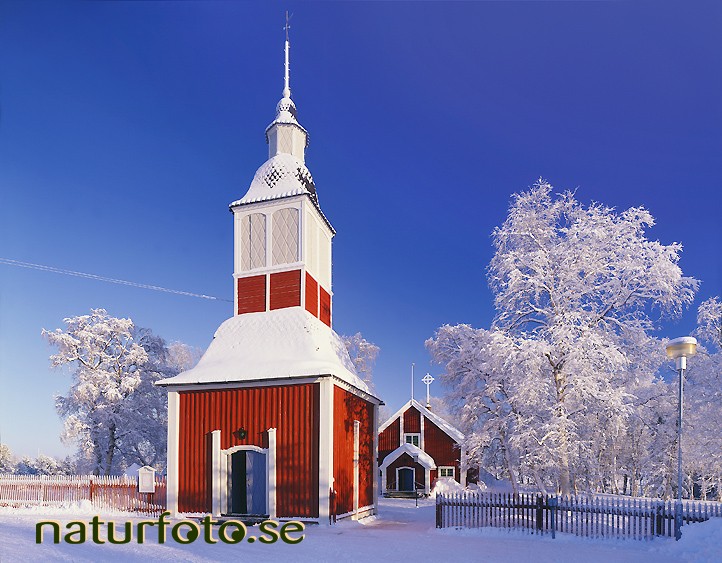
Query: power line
{"points": [[43, 268]]}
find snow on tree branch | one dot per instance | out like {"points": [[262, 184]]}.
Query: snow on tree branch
{"points": [[113, 411]]}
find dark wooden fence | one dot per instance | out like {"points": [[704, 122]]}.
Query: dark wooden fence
{"points": [[597, 517], [115, 493]]}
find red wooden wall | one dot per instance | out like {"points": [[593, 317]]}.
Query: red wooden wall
{"points": [[440, 446], [311, 295], [412, 421], [389, 439], [348, 407], [325, 308], [285, 289], [252, 294], [292, 409]]}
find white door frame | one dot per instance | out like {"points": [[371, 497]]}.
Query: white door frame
{"points": [[219, 471], [413, 471]]}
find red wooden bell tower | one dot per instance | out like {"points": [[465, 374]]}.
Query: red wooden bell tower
{"points": [[282, 240]]}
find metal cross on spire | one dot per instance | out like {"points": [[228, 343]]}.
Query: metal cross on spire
{"points": [[286, 79], [428, 380]]}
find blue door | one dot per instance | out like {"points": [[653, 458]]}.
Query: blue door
{"points": [[406, 479], [247, 482]]}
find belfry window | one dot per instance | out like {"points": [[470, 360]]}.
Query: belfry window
{"points": [[285, 236], [253, 241]]}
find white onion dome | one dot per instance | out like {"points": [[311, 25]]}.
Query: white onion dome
{"points": [[283, 175]]}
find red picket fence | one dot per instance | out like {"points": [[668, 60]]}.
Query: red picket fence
{"points": [[104, 493], [597, 517]]}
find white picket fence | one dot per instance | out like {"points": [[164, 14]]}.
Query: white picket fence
{"points": [[104, 493], [597, 517]]}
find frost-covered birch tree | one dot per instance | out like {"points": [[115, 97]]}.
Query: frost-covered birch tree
{"points": [[113, 412], [575, 289], [363, 354], [702, 440], [581, 280]]}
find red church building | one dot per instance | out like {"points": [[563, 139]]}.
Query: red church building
{"points": [[416, 446], [274, 421]]}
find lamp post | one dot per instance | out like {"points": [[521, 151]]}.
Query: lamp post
{"points": [[679, 350]]}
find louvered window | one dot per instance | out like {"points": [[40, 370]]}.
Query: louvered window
{"points": [[253, 241]]}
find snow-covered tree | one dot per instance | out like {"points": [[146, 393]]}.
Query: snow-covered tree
{"points": [[549, 388], [709, 322], [7, 460], [113, 412], [702, 442], [363, 355], [45, 465]]}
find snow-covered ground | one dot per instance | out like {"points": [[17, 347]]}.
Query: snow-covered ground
{"points": [[401, 532]]}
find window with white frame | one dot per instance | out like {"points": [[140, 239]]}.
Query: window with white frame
{"points": [[413, 438], [446, 471]]}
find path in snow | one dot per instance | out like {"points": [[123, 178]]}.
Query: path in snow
{"points": [[400, 533]]}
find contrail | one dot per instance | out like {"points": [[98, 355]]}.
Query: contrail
{"points": [[43, 268]]}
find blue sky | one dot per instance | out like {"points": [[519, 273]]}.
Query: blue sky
{"points": [[127, 128]]}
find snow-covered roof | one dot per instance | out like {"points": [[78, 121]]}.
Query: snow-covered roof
{"points": [[423, 458], [276, 344], [450, 430], [282, 175]]}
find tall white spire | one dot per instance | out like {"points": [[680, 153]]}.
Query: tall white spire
{"points": [[285, 134], [286, 74]]}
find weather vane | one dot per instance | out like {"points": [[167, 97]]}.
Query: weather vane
{"points": [[287, 26]]}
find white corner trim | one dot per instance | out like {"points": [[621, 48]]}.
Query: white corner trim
{"points": [[271, 474], [172, 459], [375, 454], [325, 448], [401, 430], [215, 470], [422, 438], [356, 435]]}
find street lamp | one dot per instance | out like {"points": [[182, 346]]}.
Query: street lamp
{"points": [[679, 350]]}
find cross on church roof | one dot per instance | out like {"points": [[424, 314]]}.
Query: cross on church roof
{"points": [[428, 380]]}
